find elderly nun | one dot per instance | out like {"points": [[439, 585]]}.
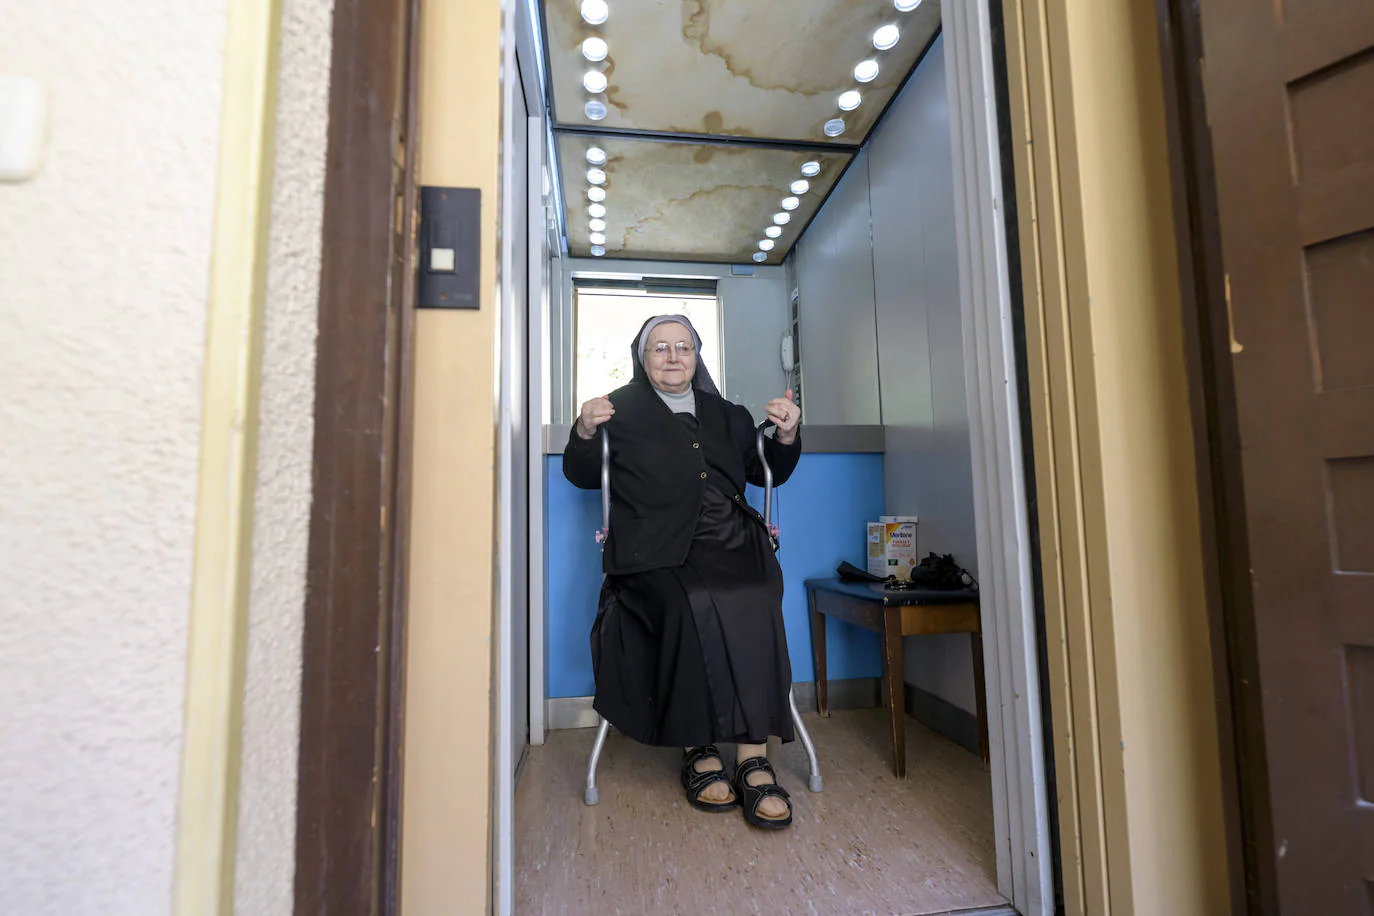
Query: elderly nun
{"points": [[688, 645]]}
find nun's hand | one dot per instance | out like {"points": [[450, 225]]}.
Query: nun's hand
{"points": [[594, 413], [785, 416]]}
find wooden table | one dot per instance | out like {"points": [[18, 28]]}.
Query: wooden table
{"points": [[893, 614]]}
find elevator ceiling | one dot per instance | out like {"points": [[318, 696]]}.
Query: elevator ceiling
{"points": [[712, 109]]}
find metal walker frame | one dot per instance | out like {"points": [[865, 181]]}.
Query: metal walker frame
{"points": [[590, 794]]}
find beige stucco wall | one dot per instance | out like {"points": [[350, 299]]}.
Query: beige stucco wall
{"points": [[265, 862], [104, 262]]}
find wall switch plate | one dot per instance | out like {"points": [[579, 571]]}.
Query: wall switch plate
{"points": [[23, 126], [450, 241]]}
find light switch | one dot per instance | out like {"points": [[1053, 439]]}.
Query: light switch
{"points": [[450, 237], [441, 259], [23, 126]]}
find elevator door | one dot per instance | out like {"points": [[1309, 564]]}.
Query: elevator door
{"points": [[515, 350]]}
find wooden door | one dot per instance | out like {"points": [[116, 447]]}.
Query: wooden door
{"points": [[1290, 100]]}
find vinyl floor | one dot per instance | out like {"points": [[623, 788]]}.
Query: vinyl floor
{"points": [[869, 843]]}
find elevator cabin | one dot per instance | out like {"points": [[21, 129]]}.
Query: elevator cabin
{"points": [[799, 180]]}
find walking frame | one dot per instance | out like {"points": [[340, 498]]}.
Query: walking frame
{"points": [[590, 793]]}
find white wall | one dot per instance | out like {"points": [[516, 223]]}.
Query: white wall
{"points": [[834, 266], [882, 337], [754, 316], [104, 264], [100, 404], [265, 863]]}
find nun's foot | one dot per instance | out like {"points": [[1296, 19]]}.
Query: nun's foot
{"points": [[770, 806], [766, 804], [704, 779]]}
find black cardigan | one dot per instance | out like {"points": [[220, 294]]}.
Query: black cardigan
{"points": [[658, 472]]}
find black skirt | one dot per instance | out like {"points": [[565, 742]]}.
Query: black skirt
{"points": [[697, 654]]}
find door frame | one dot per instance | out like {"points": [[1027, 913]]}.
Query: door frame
{"points": [[993, 367], [348, 815], [522, 54], [1217, 456], [348, 818]]}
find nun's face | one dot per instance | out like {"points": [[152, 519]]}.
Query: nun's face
{"points": [[670, 358]]}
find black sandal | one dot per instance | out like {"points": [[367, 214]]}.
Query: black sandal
{"points": [[695, 781], [754, 795]]}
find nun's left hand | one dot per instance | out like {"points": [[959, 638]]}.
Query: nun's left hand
{"points": [[785, 416]]}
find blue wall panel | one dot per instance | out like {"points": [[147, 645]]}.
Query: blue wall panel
{"points": [[821, 511]]}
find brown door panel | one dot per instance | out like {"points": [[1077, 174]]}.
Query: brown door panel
{"points": [[1290, 99]]}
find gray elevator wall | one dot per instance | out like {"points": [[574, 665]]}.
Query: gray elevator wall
{"points": [[878, 279], [754, 316], [927, 470], [834, 265]]}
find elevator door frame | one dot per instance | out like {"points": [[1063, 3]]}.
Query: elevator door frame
{"points": [[520, 373], [1011, 659]]}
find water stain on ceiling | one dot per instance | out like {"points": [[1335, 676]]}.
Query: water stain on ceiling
{"points": [[690, 201], [766, 72]]}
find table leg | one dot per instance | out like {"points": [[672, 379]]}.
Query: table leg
{"points": [[818, 657], [980, 689], [892, 677]]}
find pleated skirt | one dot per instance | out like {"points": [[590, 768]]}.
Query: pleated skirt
{"points": [[697, 654]]}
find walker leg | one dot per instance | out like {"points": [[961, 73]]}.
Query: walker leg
{"points": [[815, 784], [590, 796]]}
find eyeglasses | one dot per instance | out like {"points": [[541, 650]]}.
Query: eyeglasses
{"points": [[683, 348]]}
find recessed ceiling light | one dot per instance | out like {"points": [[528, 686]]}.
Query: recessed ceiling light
{"points": [[801, 186], [598, 250], [885, 36], [906, 6], [849, 100], [596, 194], [834, 127], [773, 231], [782, 219], [596, 225], [765, 244], [866, 71], [790, 203], [596, 176], [811, 169], [596, 156], [595, 11], [760, 257], [595, 49], [594, 81], [596, 211], [594, 110], [596, 238]]}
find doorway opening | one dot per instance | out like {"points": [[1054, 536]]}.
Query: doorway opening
{"points": [[884, 248]]}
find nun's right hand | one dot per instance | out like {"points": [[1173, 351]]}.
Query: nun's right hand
{"points": [[594, 413]]}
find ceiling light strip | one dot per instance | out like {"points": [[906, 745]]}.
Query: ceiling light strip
{"points": [[630, 133]]}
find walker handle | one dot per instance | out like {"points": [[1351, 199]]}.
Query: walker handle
{"points": [[605, 486], [767, 479]]}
